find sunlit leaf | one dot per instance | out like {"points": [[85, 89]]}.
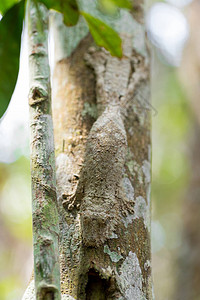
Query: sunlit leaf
{"points": [[104, 35], [111, 7], [6, 4], [119, 3], [122, 3], [68, 8], [10, 41]]}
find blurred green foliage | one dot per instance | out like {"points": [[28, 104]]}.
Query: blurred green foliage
{"points": [[170, 173], [170, 128], [15, 228], [6, 4]]}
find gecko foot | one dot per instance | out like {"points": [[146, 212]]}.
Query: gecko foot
{"points": [[69, 201]]}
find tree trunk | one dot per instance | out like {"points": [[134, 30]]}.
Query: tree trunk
{"points": [[102, 123]]}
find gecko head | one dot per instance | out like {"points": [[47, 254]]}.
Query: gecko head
{"points": [[96, 227]]}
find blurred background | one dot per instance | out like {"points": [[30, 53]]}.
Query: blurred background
{"points": [[173, 31]]}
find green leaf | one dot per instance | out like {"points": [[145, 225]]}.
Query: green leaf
{"points": [[10, 41], [122, 3], [104, 35], [119, 3], [69, 9], [6, 4]]}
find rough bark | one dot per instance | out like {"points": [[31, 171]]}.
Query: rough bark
{"points": [[102, 120], [44, 199]]}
